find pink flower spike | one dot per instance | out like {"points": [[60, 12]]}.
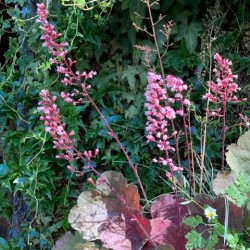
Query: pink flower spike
{"points": [[224, 88]]}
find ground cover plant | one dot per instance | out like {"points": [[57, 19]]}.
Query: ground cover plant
{"points": [[120, 110]]}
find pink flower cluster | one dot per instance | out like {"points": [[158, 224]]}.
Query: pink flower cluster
{"points": [[159, 114], [59, 53], [177, 87], [53, 125], [224, 88], [49, 35], [61, 139]]}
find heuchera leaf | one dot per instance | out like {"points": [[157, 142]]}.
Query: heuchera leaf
{"points": [[158, 229], [125, 233], [119, 222], [238, 158], [238, 155], [99, 214], [169, 230], [165, 247], [123, 230], [70, 242], [222, 181], [164, 206], [89, 213]]}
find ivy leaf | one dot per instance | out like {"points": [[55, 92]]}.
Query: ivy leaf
{"points": [[129, 73], [195, 241], [131, 111], [166, 4], [137, 10], [4, 244], [190, 33]]}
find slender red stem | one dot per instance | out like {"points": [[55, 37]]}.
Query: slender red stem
{"points": [[223, 135], [134, 168]]}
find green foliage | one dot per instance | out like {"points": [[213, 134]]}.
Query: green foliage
{"points": [[195, 240], [193, 221], [239, 191], [102, 39], [190, 33]]}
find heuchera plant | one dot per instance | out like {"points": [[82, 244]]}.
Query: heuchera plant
{"points": [[112, 211], [221, 93]]}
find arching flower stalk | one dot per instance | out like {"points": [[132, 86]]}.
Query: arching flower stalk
{"points": [[64, 65]]}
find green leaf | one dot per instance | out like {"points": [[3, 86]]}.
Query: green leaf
{"points": [[193, 221], [219, 230], [137, 10], [190, 33], [232, 240], [239, 192], [132, 111], [4, 244], [211, 241], [4, 170], [129, 73], [166, 4], [195, 240]]}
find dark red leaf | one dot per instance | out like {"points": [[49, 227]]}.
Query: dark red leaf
{"points": [[165, 207]]}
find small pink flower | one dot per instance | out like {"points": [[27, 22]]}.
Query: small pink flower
{"points": [[91, 181], [245, 119]]}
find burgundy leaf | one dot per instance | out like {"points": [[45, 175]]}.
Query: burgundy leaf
{"points": [[175, 236], [158, 231], [113, 198], [126, 233], [165, 207]]}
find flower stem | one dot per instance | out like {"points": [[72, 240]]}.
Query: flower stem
{"points": [[133, 167]]}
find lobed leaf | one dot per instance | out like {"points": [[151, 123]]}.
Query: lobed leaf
{"points": [[99, 214], [239, 192], [238, 155]]}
